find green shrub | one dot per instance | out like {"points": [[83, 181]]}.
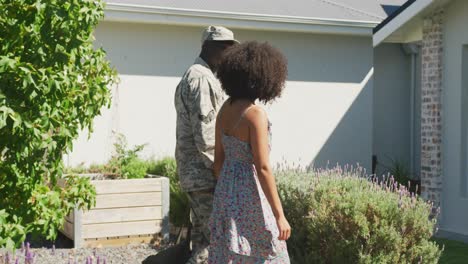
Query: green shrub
{"points": [[52, 85], [125, 161], [338, 216], [134, 169], [179, 207]]}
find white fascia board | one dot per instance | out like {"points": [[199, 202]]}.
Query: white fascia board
{"points": [[175, 16], [400, 20]]}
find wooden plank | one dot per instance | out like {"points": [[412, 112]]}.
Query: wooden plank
{"points": [[128, 200], [165, 190], [77, 228], [71, 217], [121, 229], [127, 186], [117, 241], [97, 216], [67, 230]]}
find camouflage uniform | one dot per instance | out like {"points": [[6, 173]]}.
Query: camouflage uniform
{"points": [[198, 98]]}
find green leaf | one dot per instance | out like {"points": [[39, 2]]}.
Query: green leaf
{"points": [[9, 243], [16, 120], [6, 63], [52, 84]]}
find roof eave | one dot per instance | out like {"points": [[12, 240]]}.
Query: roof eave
{"points": [[406, 25], [174, 16]]}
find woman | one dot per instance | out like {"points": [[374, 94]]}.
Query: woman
{"points": [[247, 223]]}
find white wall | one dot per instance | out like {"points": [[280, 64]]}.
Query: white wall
{"points": [[392, 86], [324, 114], [455, 119]]}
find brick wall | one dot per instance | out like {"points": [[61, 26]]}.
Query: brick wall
{"points": [[431, 107]]}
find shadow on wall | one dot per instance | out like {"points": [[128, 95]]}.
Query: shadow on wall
{"points": [[324, 71], [351, 140], [164, 50]]}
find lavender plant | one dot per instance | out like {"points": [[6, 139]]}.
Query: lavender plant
{"points": [[26, 255], [340, 215]]}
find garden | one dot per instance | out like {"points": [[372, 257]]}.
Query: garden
{"points": [[54, 82]]}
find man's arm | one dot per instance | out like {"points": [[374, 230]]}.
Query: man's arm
{"points": [[203, 118]]}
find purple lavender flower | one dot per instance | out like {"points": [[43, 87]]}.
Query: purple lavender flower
{"points": [[26, 252], [28, 258], [98, 261]]}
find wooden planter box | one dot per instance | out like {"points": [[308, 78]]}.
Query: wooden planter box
{"points": [[126, 211]]}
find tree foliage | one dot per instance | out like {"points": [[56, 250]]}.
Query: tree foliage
{"points": [[52, 85]]}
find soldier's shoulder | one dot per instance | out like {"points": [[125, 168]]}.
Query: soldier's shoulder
{"points": [[197, 71]]}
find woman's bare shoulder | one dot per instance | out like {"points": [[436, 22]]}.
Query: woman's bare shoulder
{"points": [[256, 116]]}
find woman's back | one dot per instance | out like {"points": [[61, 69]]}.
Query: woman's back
{"points": [[247, 222], [232, 118], [242, 217]]}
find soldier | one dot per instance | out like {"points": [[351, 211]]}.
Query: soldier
{"points": [[198, 98]]}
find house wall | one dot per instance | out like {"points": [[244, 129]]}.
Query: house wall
{"points": [[454, 219], [325, 113], [392, 86]]}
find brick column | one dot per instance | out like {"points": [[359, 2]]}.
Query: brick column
{"points": [[431, 108]]}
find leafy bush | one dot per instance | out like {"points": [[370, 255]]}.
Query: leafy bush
{"points": [[52, 85], [125, 162], [339, 216], [135, 169], [179, 207]]}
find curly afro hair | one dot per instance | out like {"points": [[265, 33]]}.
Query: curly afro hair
{"points": [[252, 71]]}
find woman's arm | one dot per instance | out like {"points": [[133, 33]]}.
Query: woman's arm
{"points": [[258, 132], [219, 150]]}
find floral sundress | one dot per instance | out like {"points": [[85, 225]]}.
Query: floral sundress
{"points": [[243, 227]]}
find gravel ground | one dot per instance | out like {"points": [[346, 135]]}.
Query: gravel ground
{"points": [[128, 254], [60, 251]]}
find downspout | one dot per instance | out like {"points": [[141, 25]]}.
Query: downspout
{"points": [[412, 49]]}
